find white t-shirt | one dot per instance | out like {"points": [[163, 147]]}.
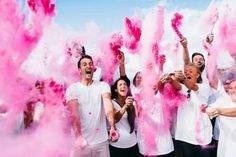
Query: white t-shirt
{"points": [[91, 109], [221, 97], [151, 140], [194, 126], [227, 128], [134, 89], [126, 139]]}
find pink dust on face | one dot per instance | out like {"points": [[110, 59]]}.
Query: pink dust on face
{"points": [[132, 34], [176, 22]]}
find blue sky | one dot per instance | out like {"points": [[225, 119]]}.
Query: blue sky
{"points": [[109, 14]]}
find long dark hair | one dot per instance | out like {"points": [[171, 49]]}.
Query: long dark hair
{"points": [[130, 110]]}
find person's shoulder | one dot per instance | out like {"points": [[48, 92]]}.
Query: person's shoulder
{"points": [[74, 85], [101, 83], [204, 85]]}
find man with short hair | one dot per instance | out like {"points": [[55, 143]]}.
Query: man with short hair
{"points": [[89, 103], [197, 58]]}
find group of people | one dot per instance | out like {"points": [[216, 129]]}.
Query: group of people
{"points": [[118, 121], [136, 128]]}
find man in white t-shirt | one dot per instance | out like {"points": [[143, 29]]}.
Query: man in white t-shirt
{"points": [[89, 103]]}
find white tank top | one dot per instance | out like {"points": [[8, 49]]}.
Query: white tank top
{"points": [[126, 139]]}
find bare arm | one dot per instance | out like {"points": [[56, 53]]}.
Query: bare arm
{"points": [[169, 79], [74, 116], [122, 64], [120, 113], [128, 102], [162, 60], [109, 108], [186, 57], [175, 83], [213, 81], [229, 112]]}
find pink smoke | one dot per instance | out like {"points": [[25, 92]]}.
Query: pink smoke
{"points": [[176, 22], [170, 101], [18, 40], [47, 140], [210, 17], [69, 69], [150, 58], [20, 33], [227, 32], [212, 61], [44, 5], [159, 31], [110, 47], [132, 34]]}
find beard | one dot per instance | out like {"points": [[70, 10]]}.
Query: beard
{"points": [[202, 68]]}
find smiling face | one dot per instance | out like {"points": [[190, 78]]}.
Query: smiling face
{"points": [[86, 68], [138, 80], [122, 88], [191, 73], [232, 90], [199, 61]]}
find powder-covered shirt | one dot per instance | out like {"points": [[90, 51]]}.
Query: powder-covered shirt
{"points": [[91, 109]]}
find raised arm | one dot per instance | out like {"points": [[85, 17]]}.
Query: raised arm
{"points": [[162, 60], [211, 67], [122, 68], [122, 64], [186, 57]]}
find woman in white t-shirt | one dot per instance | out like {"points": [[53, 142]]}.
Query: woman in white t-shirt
{"points": [[125, 119], [193, 127], [225, 109]]}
